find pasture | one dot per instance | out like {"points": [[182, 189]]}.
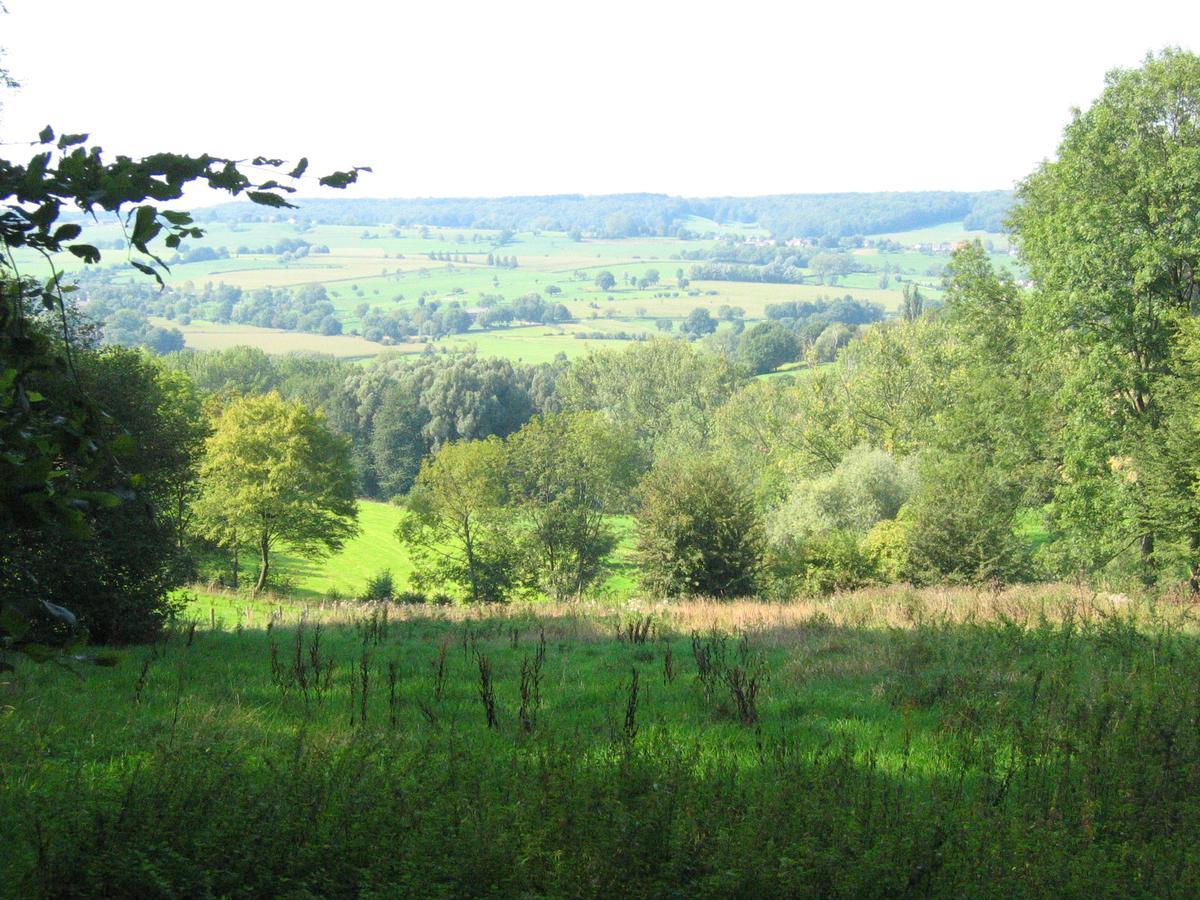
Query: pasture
{"points": [[217, 336], [941, 742], [375, 549]]}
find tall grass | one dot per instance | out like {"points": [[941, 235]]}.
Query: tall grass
{"points": [[934, 743]]}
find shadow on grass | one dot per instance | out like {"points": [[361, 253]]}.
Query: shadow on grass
{"points": [[945, 760]]}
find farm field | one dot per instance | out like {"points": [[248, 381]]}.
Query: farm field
{"points": [[390, 268], [870, 744], [216, 336]]}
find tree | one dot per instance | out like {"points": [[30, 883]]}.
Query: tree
{"points": [[699, 533], [274, 474], [567, 474], [116, 563], [605, 280], [867, 486], [1110, 237], [395, 445], [914, 303], [960, 523], [663, 393], [456, 524], [767, 346], [698, 323]]}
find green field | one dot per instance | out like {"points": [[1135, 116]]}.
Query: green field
{"points": [[217, 336], [389, 268], [375, 549], [1034, 742]]}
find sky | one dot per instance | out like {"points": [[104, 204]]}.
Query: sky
{"points": [[577, 96]]}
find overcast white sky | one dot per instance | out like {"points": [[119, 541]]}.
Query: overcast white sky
{"points": [[488, 98]]}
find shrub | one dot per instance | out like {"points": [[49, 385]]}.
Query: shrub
{"points": [[868, 485], [821, 565], [886, 548], [698, 531], [380, 587]]}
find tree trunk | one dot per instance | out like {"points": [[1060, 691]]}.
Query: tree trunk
{"points": [[264, 562], [1147, 550], [1194, 574], [235, 561]]}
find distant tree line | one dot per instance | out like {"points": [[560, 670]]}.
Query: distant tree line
{"points": [[627, 215]]}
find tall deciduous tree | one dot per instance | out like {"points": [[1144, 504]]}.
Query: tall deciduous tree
{"points": [[567, 475], [663, 392], [456, 524], [274, 474], [1110, 231]]}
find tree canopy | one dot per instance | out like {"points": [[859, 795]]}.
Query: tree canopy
{"points": [[274, 474]]}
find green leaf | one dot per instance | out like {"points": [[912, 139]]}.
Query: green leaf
{"points": [[46, 135], [70, 140], [175, 217], [265, 199], [300, 169], [67, 233], [146, 270], [86, 252], [342, 179], [144, 224]]}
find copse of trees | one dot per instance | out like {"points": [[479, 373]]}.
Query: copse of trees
{"points": [[531, 512], [568, 475], [395, 412], [766, 346]]}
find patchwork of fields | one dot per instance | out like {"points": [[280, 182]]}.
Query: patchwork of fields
{"points": [[390, 268]]}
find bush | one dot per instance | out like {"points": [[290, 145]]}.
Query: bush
{"points": [[886, 549], [380, 587], [822, 565], [699, 533]]}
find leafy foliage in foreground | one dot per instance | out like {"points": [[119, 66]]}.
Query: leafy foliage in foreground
{"points": [[66, 459]]}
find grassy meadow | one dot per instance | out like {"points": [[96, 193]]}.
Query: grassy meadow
{"points": [[1032, 742], [375, 549]]}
